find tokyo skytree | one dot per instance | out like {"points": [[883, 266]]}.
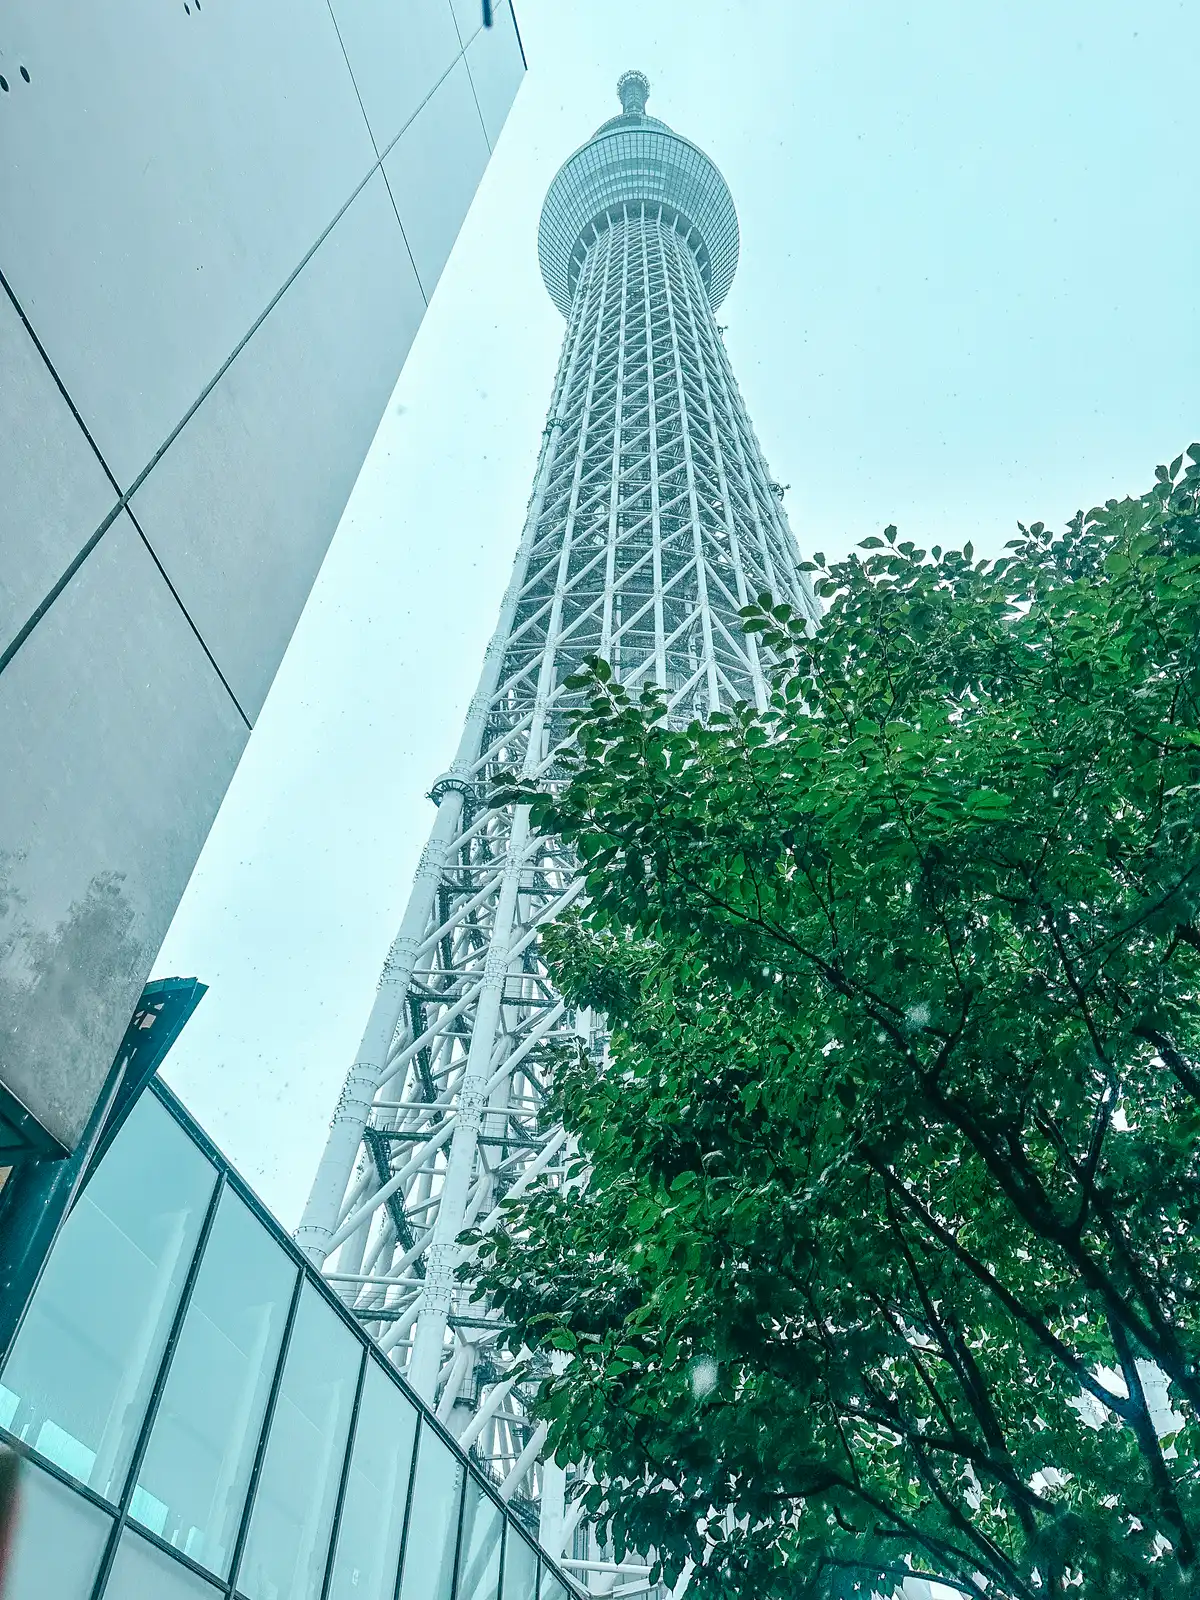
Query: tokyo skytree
{"points": [[653, 520]]}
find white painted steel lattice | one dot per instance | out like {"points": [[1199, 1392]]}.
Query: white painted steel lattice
{"points": [[653, 519]]}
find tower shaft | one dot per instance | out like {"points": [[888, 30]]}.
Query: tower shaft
{"points": [[653, 520]]}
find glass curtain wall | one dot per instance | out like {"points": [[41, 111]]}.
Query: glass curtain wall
{"points": [[202, 1419]]}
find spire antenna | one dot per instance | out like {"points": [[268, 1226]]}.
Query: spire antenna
{"points": [[634, 90]]}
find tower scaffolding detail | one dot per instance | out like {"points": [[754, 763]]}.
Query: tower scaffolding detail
{"points": [[653, 520]]}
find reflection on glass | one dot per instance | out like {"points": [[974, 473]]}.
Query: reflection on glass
{"points": [[553, 1588], [58, 1542], [433, 1521], [81, 1371], [520, 1567], [479, 1546], [372, 1523], [288, 1542], [192, 1484], [141, 1572]]}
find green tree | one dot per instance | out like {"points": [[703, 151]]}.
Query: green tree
{"points": [[884, 1239]]}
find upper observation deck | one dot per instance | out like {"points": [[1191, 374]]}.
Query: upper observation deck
{"points": [[632, 159]]}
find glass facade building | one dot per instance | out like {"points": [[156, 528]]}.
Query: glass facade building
{"points": [[221, 225], [201, 1417]]}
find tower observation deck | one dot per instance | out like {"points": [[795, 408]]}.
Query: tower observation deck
{"points": [[653, 520]]}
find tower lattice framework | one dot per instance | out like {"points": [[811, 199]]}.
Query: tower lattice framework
{"points": [[653, 520]]}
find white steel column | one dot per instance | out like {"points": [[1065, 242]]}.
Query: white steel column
{"points": [[353, 1107], [706, 627], [443, 1254]]}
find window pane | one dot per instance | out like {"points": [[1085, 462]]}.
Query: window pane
{"points": [[141, 1572], [193, 1481], [433, 1521], [368, 1547], [58, 1542], [520, 1567], [552, 1588], [479, 1553], [288, 1542], [81, 1371]]}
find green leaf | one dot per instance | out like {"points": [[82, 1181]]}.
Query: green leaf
{"points": [[884, 1142]]}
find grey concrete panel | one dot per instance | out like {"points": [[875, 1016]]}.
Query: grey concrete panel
{"points": [[241, 508], [397, 53], [124, 741], [55, 491], [434, 169], [469, 16], [497, 66], [161, 174]]}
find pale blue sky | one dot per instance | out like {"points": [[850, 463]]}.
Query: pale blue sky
{"points": [[967, 294]]}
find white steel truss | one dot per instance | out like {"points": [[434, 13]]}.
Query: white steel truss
{"points": [[653, 519]]}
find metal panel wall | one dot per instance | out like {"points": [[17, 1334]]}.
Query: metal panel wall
{"points": [[209, 280], [397, 54], [163, 173], [53, 483], [433, 169], [497, 65], [125, 740], [257, 480]]}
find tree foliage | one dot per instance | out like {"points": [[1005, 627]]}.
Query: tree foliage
{"points": [[883, 1248]]}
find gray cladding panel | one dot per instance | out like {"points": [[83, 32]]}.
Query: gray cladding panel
{"points": [[241, 508], [434, 169], [397, 53], [497, 67], [469, 16], [125, 742], [55, 492], [161, 175]]}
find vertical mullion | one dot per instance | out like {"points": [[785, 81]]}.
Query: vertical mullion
{"points": [[503, 1554], [160, 1379], [260, 1451], [456, 1570], [336, 1526], [414, 1463]]}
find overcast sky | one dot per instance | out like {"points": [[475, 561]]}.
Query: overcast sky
{"points": [[967, 295]]}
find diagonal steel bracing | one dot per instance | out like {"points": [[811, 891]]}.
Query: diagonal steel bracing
{"points": [[653, 518]]}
